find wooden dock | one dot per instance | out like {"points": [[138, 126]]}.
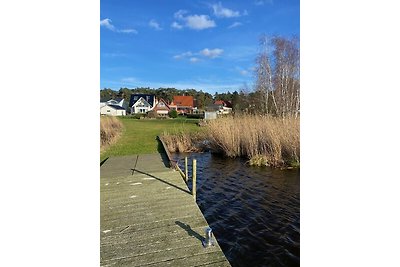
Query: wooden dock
{"points": [[149, 217]]}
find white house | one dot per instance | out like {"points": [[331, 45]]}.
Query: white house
{"points": [[142, 103], [141, 106], [112, 110]]}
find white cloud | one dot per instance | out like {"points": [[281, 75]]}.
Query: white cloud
{"points": [[107, 23], [235, 24], [114, 55], [176, 25], [223, 12], [213, 53], [180, 14], [245, 72], [241, 52], [129, 80], [128, 31], [183, 55], [154, 24], [193, 57], [197, 22], [262, 2]]}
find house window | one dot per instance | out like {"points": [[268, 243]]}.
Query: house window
{"points": [[108, 110]]}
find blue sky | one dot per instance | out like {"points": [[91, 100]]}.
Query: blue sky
{"points": [[205, 45]]}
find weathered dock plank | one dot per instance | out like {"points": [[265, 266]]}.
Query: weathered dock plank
{"points": [[149, 218]]}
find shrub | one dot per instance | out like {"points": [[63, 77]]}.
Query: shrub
{"points": [[151, 114], [173, 114], [195, 116]]}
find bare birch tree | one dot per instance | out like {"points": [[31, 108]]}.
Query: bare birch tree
{"points": [[278, 76], [264, 85]]}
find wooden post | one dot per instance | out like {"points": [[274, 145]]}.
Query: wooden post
{"points": [[194, 180], [186, 169]]}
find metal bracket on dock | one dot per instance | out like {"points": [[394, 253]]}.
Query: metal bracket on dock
{"points": [[209, 240]]}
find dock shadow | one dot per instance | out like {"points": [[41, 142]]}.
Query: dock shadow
{"points": [[189, 230], [165, 160], [104, 160], [164, 156], [161, 180]]}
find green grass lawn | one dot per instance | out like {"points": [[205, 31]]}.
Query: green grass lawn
{"points": [[139, 136]]}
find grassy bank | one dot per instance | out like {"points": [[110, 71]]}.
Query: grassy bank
{"points": [[139, 136], [263, 140], [110, 131]]}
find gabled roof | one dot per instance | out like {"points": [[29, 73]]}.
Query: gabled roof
{"points": [[144, 102], [186, 101], [224, 103], [135, 97], [158, 105], [116, 107]]}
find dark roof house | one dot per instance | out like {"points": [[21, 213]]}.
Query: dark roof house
{"points": [[149, 98]]}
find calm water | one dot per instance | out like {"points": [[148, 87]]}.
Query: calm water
{"points": [[254, 212]]}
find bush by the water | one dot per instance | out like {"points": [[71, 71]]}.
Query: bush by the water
{"points": [[110, 130], [264, 140]]}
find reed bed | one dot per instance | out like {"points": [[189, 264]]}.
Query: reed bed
{"points": [[110, 131], [264, 140], [180, 141]]}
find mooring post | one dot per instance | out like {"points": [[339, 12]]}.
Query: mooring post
{"points": [[186, 170], [194, 180]]}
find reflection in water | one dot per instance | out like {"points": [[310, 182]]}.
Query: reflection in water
{"points": [[254, 212]]}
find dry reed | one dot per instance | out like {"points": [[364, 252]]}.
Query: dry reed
{"points": [[110, 131], [264, 140], [182, 142]]}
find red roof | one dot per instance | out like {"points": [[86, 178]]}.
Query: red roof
{"points": [[227, 104], [185, 101]]}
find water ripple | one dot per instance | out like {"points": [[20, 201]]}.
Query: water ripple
{"points": [[254, 212]]}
